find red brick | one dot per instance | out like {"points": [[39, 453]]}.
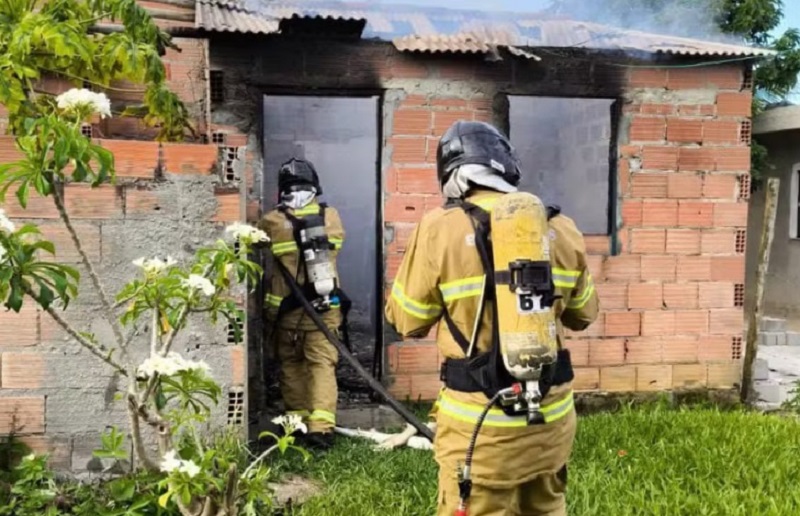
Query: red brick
{"points": [[140, 201], [408, 150], [595, 265], [727, 322], [680, 349], [400, 386], [57, 449], [683, 241], [412, 122], [695, 214], [720, 186], [631, 213], [732, 159], [595, 330], [19, 329], [630, 151], [613, 295], [724, 375], [687, 78], [22, 415], [716, 294], [37, 207], [66, 252], [658, 323], [8, 150], [714, 348], [643, 350], [660, 213], [579, 351], [718, 242], [597, 244], [658, 268], [645, 296], [402, 234], [653, 377], [697, 109], [728, 268], [392, 266], [238, 365], [730, 214], [660, 158], [425, 387], [726, 77], [586, 379], [647, 129], [253, 211], [22, 371], [680, 295], [735, 104], [648, 78], [622, 268], [684, 130], [133, 158], [697, 268], [689, 376], [84, 202], [606, 352], [414, 102], [696, 159], [228, 207], [618, 379], [417, 358], [419, 180], [647, 186], [184, 158], [442, 120], [691, 322], [684, 186], [622, 324], [648, 241], [657, 109], [721, 131], [404, 208]]}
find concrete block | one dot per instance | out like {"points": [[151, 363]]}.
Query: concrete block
{"points": [[792, 338], [769, 392], [773, 324], [760, 370], [772, 339]]}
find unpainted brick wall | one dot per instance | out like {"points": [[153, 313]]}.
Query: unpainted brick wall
{"points": [[168, 199]]}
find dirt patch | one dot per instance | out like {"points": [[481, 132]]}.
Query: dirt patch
{"points": [[294, 491]]}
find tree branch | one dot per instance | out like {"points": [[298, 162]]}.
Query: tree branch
{"points": [[136, 435], [258, 460], [109, 312]]}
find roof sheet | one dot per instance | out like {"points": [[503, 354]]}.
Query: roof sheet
{"points": [[435, 29]]}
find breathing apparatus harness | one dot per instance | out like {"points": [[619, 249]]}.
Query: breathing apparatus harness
{"points": [[486, 372], [320, 287]]}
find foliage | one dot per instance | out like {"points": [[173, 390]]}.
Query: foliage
{"points": [[793, 403], [650, 460]]}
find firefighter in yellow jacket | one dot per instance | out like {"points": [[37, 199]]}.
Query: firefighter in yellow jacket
{"points": [[306, 236], [518, 467]]}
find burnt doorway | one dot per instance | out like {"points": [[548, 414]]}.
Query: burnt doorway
{"points": [[340, 136]]}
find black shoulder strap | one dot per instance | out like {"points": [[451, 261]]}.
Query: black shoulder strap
{"points": [[553, 210]]}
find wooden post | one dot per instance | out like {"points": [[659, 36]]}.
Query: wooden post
{"points": [[754, 319]]}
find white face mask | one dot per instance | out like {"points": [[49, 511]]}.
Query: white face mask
{"points": [[299, 198], [466, 176]]}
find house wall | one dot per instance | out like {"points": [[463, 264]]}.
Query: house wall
{"points": [[168, 200], [781, 296], [670, 319]]}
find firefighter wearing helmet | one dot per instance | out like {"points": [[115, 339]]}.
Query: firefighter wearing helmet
{"points": [[306, 236], [505, 417]]}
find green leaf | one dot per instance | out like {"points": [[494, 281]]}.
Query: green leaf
{"points": [[22, 194]]}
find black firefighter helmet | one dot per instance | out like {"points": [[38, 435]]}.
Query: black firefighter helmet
{"points": [[478, 143], [297, 173]]}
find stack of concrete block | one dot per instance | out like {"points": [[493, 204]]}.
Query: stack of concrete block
{"points": [[777, 367]]}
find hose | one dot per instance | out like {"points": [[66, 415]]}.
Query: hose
{"points": [[353, 361], [465, 482]]}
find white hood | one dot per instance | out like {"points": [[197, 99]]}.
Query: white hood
{"points": [[467, 176]]}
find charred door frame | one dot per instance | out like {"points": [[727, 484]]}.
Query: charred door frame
{"points": [[380, 269]]}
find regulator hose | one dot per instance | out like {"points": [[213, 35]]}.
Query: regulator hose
{"points": [[352, 360]]}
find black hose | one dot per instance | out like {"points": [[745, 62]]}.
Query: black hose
{"points": [[476, 431], [353, 361]]}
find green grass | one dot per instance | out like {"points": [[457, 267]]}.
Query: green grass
{"points": [[645, 461]]}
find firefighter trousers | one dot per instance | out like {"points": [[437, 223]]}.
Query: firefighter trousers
{"points": [[308, 377]]}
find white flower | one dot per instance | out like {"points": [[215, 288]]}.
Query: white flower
{"points": [[5, 224], [246, 233], [3, 253], [197, 282], [171, 462], [190, 468], [171, 365], [77, 98], [291, 423], [154, 266]]}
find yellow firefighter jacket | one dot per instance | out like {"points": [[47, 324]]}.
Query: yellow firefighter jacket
{"points": [[442, 268], [284, 247]]}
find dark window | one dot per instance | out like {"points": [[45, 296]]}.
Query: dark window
{"points": [[217, 86], [565, 145]]}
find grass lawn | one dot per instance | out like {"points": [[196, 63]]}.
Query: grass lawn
{"points": [[646, 461]]}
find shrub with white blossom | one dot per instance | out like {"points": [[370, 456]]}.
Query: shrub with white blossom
{"points": [[171, 394]]}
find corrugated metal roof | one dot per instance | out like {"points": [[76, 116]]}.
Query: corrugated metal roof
{"points": [[436, 29]]}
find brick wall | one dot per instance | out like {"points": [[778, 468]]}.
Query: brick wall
{"points": [[168, 200]]}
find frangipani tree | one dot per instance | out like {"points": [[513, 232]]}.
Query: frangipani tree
{"points": [[166, 392]]}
